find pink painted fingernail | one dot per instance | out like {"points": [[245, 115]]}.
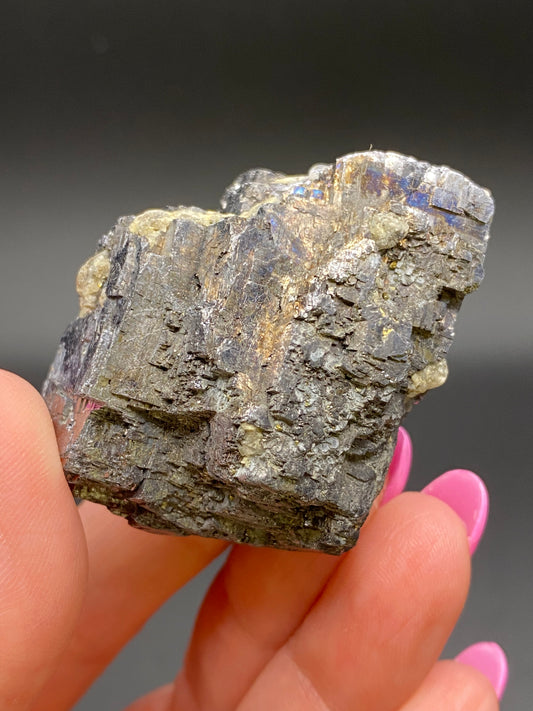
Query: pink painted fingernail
{"points": [[489, 658], [400, 466], [467, 495]]}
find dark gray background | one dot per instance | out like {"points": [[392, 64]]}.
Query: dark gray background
{"points": [[113, 107]]}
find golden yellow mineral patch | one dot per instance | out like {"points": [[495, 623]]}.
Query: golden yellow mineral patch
{"points": [[432, 376], [153, 224], [90, 280], [250, 440], [387, 229]]}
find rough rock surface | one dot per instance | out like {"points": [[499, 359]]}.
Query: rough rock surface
{"points": [[242, 374]]}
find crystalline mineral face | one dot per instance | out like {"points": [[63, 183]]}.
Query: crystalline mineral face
{"points": [[242, 374]]}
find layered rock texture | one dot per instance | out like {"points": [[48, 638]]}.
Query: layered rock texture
{"points": [[242, 374]]}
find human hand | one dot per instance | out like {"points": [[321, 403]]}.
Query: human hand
{"points": [[277, 630]]}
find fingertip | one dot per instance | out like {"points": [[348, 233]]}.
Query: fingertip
{"points": [[453, 685], [490, 659], [15, 391], [25, 424], [428, 520], [465, 493], [399, 468], [425, 541], [30, 468]]}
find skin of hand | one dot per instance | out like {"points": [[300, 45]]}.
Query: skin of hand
{"points": [[277, 629]]}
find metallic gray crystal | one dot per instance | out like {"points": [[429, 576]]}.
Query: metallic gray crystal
{"points": [[243, 374]]}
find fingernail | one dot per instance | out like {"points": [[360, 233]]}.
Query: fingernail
{"points": [[400, 466], [467, 495], [489, 658]]}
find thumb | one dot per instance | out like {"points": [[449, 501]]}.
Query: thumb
{"points": [[43, 557]]}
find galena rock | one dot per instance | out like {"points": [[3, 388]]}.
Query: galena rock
{"points": [[242, 374]]}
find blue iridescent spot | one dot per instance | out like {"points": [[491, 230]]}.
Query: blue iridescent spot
{"points": [[453, 220], [318, 194], [299, 190], [416, 199], [409, 183]]}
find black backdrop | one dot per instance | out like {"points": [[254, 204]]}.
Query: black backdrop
{"points": [[111, 107]]}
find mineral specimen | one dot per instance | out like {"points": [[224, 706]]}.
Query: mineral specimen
{"points": [[242, 374]]}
